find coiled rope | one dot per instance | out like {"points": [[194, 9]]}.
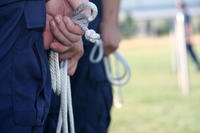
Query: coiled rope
{"points": [[121, 78], [60, 79]]}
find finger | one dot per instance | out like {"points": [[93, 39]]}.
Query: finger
{"points": [[72, 27], [58, 47], [67, 55], [58, 35], [80, 50], [110, 46], [69, 35], [72, 66], [76, 52], [108, 50], [47, 38]]}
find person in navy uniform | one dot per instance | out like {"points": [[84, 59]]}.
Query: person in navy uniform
{"points": [[188, 33], [25, 85], [91, 92]]}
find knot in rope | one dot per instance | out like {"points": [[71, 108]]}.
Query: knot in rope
{"points": [[82, 20], [92, 36]]}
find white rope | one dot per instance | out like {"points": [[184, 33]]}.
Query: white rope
{"points": [[60, 79], [83, 20], [118, 93], [120, 80], [98, 46]]}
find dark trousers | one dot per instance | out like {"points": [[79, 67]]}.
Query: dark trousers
{"points": [[92, 103], [193, 55], [24, 74]]}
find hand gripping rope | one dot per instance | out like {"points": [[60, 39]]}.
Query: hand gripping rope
{"points": [[60, 80]]}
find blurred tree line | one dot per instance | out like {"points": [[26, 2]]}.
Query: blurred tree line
{"points": [[130, 28]]}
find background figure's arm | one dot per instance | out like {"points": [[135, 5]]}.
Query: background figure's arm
{"points": [[188, 29], [109, 25], [110, 10]]}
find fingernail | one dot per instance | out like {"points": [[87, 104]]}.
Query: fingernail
{"points": [[58, 18]]}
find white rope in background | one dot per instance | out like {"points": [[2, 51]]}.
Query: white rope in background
{"points": [[119, 80], [60, 79], [122, 77]]}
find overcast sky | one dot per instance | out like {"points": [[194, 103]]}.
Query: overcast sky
{"points": [[143, 9], [130, 4]]}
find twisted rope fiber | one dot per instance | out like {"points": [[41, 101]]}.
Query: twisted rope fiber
{"points": [[60, 79]]}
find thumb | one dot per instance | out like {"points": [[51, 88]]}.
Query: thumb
{"points": [[72, 67]]}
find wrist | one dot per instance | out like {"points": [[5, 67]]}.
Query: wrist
{"points": [[112, 18], [109, 25]]}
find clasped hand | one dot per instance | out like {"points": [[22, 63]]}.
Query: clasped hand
{"points": [[61, 34]]}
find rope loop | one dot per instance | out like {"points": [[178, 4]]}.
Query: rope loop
{"points": [[82, 20], [97, 53], [122, 79]]}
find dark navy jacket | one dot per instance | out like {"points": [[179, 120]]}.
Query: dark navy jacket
{"points": [[24, 74]]}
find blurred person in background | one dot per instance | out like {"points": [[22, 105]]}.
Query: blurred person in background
{"points": [[92, 94], [188, 33]]}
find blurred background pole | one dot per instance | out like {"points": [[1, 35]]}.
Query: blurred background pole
{"points": [[182, 63], [174, 53]]}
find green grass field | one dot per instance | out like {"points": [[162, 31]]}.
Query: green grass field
{"points": [[153, 102]]}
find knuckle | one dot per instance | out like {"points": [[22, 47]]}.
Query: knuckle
{"points": [[75, 39], [68, 44], [69, 26]]}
